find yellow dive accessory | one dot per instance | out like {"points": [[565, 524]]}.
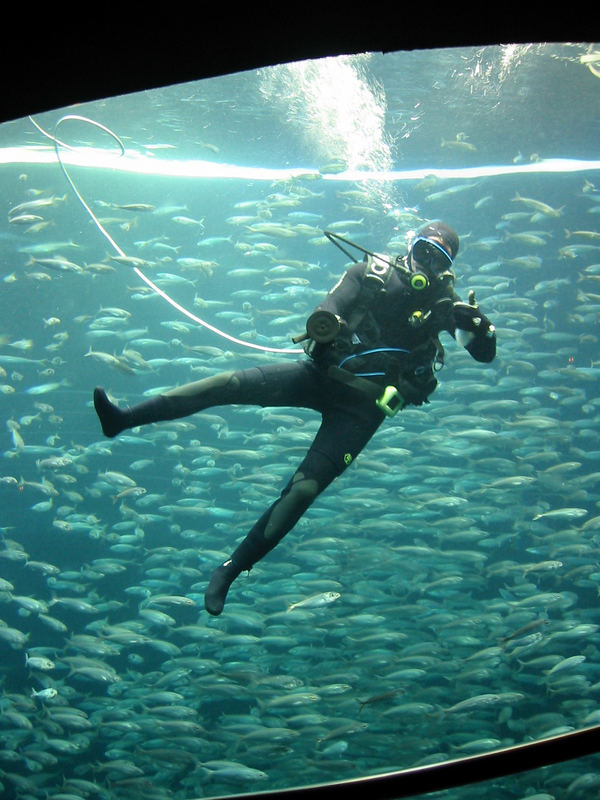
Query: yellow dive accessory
{"points": [[419, 281], [390, 402]]}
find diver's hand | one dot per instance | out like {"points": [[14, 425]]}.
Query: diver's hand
{"points": [[415, 395], [469, 318]]}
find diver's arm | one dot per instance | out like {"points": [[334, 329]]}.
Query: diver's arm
{"points": [[341, 299], [473, 330], [331, 316]]}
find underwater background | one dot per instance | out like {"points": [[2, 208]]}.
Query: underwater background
{"points": [[440, 599]]}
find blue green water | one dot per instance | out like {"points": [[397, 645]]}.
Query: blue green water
{"points": [[463, 543]]}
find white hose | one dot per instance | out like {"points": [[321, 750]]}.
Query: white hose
{"points": [[57, 142]]}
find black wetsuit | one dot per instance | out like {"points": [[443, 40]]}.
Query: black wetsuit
{"points": [[397, 319]]}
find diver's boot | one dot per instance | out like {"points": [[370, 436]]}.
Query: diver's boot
{"points": [[220, 581], [114, 419]]}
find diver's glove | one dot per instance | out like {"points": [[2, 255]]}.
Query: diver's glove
{"points": [[414, 395], [470, 322], [473, 330]]}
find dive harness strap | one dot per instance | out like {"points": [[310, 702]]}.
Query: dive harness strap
{"points": [[390, 401], [375, 278], [323, 326]]}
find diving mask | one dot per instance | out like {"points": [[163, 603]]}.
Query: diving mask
{"points": [[430, 254]]}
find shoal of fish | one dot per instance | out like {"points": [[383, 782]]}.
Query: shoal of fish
{"points": [[439, 600]]}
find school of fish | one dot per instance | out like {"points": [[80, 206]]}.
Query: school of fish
{"points": [[440, 599]]}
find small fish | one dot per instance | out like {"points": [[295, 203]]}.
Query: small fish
{"points": [[75, 604], [57, 263], [562, 513], [451, 191], [13, 637], [112, 361], [54, 462], [543, 566], [379, 698], [169, 600], [577, 250], [134, 207], [38, 662], [45, 694], [565, 664], [130, 491], [316, 600], [484, 701], [132, 261], [530, 239], [45, 388], [538, 206], [183, 220], [47, 247], [25, 219], [231, 772], [41, 202]]}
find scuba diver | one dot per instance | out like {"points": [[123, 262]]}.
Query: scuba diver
{"points": [[373, 349]]}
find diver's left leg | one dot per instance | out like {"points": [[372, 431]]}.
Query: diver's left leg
{"points": [[280, 518], [339, 440]]}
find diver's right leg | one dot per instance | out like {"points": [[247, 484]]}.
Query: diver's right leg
{"points": [[180, 402], [288, 384]]}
